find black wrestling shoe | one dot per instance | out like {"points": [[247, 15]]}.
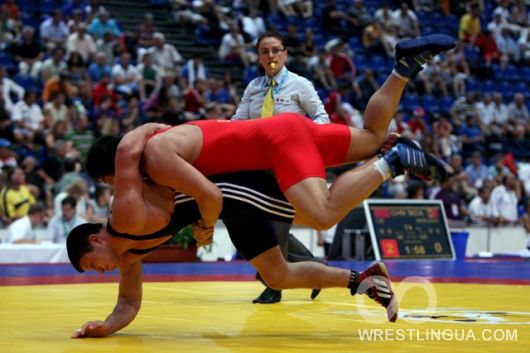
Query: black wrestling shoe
{"points": [[314, 293], [268, 296], [425, 166], [412, 54], [375, 282]]}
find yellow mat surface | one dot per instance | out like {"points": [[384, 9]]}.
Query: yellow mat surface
{"points": [[219, 317]]}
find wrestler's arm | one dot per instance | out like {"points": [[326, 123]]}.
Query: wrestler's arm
{"points": [[128, 305], [129, 213], [167, 168]]}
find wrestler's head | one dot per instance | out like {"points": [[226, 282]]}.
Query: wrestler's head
{"points": [[100, 158], [271, 53], [88, 248]]}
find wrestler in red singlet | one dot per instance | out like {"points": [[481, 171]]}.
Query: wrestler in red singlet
{"points": [[289, 144]]}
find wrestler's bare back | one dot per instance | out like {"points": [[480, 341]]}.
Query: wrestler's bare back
{"points": [[184, 140]]}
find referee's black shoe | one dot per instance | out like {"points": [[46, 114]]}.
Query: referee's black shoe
{"points": [[268, 296]]}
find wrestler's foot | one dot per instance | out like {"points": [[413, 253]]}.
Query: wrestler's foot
{"points": [[268, 296], [412, 54], [375, 282], [314, 293], [393, 139], [425, 166]]}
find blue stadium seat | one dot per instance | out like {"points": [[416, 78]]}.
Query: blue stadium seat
{"points": [[446, 102], [28, 5], [26, 82], [521, 87], [250, 73], [489, 86], [410, 102]]}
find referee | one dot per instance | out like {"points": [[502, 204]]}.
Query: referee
{"points": [[280, 91]]}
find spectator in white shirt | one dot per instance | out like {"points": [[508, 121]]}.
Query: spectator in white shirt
{"points": [[165, 55], [28, 118], [81, 42], [406, 21], [7, 87], [22, 231], [485, 109], [252, 25], [61, 224], [53, 65], [233, 47], [54, 31], [499, 110], [480, 209], [504, 200], [126, 76]]}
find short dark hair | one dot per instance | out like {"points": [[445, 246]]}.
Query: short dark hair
{"points": [[101, 155], [69, 200], [77, 243], [270, 34]]}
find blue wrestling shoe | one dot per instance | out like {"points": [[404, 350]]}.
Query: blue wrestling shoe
{"points": [[403, 157], [412, 54], [393, 139], [375, 282]]}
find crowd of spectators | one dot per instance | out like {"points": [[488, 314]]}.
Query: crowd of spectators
{"points": [[76, 74]]}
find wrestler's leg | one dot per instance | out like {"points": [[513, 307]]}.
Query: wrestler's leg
{"points": [[377, 117], [280, 274], [320, 208]]}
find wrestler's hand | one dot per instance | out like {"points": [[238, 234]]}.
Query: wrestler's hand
{"points": [[203, 235], [92, 329]]}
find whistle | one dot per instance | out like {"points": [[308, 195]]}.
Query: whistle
{"points": [[272, 65]]}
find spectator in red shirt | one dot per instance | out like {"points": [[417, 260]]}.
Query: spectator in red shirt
{"points": [[488, 47], [416, 124], [102, 90], [195, 100], [340, 63]]}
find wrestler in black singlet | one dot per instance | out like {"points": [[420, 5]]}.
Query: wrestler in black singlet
{"points": [[251, 201]]}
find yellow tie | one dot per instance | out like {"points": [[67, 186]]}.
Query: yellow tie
{"points": [[268, 104]]}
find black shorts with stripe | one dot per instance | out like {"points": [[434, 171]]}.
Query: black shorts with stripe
{"points": [[251, 201]]}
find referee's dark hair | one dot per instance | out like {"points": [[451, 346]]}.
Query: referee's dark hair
{"points": [[77, 243]]}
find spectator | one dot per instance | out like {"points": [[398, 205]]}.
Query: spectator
{"points": [[150, 76], [81, 42], [302, 8], [53, 31], [165, 55], [56, 110], [517, 110], [322, 75], [454, 206], [62, 223], [59, 84], [489, 49], [469, 27], [332, 19], [252, 25], [504, 199], [417, 125], [503, 9], [480, 209], [406, 21], [99, 207], [81, 136], [79, 191], [8, 88], [102, 23], [485, 110], [374, 40], [192, 70], [508, 46], [71, 168], [125, 75], [497, 25], [471, 135], [16, 196], [195, 98], [75, 21], [22, 231], [28, 53], [7, 158], [174, 112], [518, 144], [233, 47], [463, 107], [476, 171], [145, 32], [499, 110], [28, 119], [340, 63], [99, 68], [107, 45], [358, 16], [78, 72], [498, 170], [384, 16], [52, 66]]}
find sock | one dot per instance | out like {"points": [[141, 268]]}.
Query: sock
{"points": [[398, 75], [353, 285], [382, 167]]}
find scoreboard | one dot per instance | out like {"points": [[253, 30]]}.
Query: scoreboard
{"points": [[408, 229]]}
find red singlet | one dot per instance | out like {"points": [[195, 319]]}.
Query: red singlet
{"points": [[291, 145]]}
